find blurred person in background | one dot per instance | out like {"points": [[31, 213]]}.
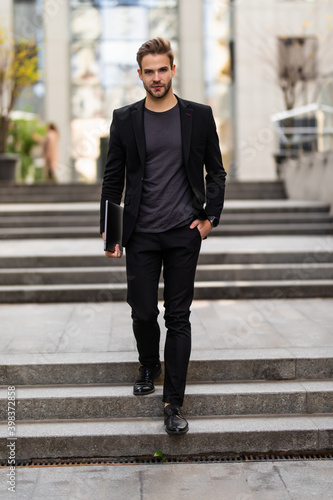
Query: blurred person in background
{"points": [[50, 152], [49, 144]]}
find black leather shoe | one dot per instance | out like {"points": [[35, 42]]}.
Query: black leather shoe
{"points": [[145, 383], [174, 421]]}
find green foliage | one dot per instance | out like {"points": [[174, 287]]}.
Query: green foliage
{"points": [[22, 139], [160, 455]]}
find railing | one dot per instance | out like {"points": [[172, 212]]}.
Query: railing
{"points": [[304, 129]]}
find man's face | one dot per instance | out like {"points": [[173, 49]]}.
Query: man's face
{"points": [[156, 74]]}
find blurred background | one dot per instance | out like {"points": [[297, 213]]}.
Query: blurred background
{"points": [[265, 67]]}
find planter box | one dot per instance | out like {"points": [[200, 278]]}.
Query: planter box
{"points": [[8, 165]]}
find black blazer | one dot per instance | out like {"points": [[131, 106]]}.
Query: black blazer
{"points": [[126, 160]]}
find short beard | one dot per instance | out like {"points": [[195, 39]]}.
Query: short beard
{"points": [[166, 90]]}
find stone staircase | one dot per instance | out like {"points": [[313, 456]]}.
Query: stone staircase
{"points": [[74, 404], [240, 218], [85, 408], [49, 193], [72, 211], [220, 275], [79, 192]]}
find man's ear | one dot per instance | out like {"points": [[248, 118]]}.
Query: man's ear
{"points": [[140, 73], [173, 70]]}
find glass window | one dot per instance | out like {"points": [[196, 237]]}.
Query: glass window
{"points": [[128, 3], [86, 23], [123, 23], [218, 71], [105, 37], [28, 24]]}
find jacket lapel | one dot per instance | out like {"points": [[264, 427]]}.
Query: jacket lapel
{"points": [[139, 132], [186, 127]]}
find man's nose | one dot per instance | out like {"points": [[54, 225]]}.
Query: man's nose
{"points": [[156, 76]]}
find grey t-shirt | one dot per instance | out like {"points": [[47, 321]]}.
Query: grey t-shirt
{"points": [[166, 199]]}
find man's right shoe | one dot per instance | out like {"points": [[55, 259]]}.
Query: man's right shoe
{"points": [[145, 383]]}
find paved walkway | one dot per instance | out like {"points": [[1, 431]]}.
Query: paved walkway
{"points": [[224, 481], [220, 328], [287, 327]]}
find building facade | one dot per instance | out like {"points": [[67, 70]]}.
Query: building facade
{"points": [[228, 55]]}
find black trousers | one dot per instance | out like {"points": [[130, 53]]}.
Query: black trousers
{"points": [[178, 251]]}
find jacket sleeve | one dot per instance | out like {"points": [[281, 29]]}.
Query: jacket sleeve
{"points": [[215, 173], [114, 174]]}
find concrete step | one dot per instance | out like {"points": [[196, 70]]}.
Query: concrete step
{"points": [[64, 275], [40, 193], [239, 218], [45, 187], [267, 402], [119, 368], [138, 437], [257, 208], [87, 220], [50, 197], [117, 274], [272, 229], [48, 232], [45, 271], [319, 255], [276, 218], [252, 272], [274, 207], [204, 290], [96, 402], [54, 220], [236, 210], [49, 193], [92, 220], [221, 230], [12, 210], [255, 190]]}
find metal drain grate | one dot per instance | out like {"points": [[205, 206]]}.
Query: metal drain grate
{"points": [[192, 459]]}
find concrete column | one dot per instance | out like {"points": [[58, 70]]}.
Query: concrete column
{"points": [[57, 78], [255, 92], [191, 49], [6, 15]]}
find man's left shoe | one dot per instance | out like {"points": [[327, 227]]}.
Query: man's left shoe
{"points": [[174, 421], [145, 383]]}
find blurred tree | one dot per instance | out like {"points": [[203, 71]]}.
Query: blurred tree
{"points": [[297, 65], [18, 70]]}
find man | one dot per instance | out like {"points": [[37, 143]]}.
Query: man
{"points": [[160, 145]]}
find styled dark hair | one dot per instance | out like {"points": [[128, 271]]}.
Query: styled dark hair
{"points": [[155, 46]]}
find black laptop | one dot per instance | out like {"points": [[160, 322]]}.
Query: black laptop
{"points": [[113, 226]]}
